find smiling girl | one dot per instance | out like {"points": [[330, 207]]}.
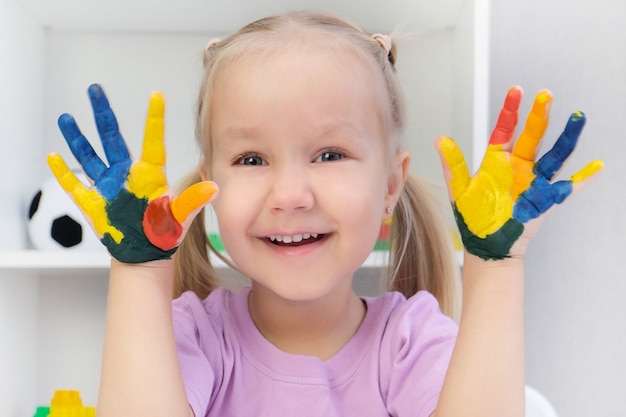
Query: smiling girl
{"points": [[300, 119]]}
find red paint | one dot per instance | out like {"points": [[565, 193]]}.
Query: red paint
{"points": [[159, 224], [507, 121]]}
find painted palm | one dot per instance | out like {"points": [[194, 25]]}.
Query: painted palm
{"points": [[130, 204], [494, 207]]}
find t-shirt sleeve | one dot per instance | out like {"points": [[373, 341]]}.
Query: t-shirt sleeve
{"points": [[195, 333], [415, 354]]}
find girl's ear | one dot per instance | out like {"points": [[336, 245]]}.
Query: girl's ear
{"points": [[397, 177], [203, 170]]}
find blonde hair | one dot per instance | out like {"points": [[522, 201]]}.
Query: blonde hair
{"points": [[421, 256]]}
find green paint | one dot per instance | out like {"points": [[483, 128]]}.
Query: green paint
{"points": [[494, 246], [126, 214]]}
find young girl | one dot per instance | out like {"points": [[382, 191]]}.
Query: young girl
{"points": [[299, 120]]}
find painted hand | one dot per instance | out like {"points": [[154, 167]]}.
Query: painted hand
{"points": [[495, 207], [130, 204]]}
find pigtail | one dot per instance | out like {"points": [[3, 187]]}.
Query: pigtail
{"points": [[422, 253], [194, 271]]}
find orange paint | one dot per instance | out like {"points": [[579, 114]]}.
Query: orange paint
{"points": [[528, 143]]}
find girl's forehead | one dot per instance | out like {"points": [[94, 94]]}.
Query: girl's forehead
{"points": [[304, 46]]}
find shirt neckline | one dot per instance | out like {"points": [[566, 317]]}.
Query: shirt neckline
{"points": [[296, 368]]}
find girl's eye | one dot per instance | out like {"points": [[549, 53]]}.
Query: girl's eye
{"points": [[250, 160], [330, 156]]}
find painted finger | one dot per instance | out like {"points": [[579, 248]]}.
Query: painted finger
{"points": [[192, 199], [583, 177], [454, 166], [166, 221], [66, 178], [553, 160], [112, 141], [527, 144], [153, 151], [81, 148], [88, 200], [507, 120], [538, 199]]}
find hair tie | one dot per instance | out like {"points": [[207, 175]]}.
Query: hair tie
{"points": [[384, 41], [210, 44]]}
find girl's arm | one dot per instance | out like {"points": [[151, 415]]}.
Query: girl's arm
{"points": [[486, 373], [140, 371], [141, 223], [498, 211]]}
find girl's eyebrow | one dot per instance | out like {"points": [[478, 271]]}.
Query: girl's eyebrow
{"points": [[237, 132], [343, 130]]}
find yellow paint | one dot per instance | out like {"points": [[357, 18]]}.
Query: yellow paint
{"points": [[484, 200], [459, 174], [89, 201], [590, 169], [536, 124], [147, 178], [577, 115], [523, 175], [192, 199]]}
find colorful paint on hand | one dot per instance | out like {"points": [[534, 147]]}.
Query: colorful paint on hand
{"points": [[510, 189], [130, 206]]}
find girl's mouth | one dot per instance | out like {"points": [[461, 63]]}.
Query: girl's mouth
{"points": [[295, 240]]}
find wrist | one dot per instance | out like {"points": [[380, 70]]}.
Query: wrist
{"points": [[474, 267], [162, 269]]}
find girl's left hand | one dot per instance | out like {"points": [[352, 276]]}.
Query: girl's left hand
{"points": [[500, 208]]}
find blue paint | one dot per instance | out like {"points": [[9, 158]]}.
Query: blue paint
{"points": [[81, 148], [108, 181], [553, 160], [108, 129], [541, 195]]}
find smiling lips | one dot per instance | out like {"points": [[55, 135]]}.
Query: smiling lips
{"points": [[295, 239]]}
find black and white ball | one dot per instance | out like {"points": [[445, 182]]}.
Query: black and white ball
{"points": [[55, 223]]}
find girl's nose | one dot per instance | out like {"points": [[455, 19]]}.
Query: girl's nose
{"points": [[291, 190]]}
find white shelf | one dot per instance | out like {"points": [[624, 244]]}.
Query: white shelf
{"points": [[35, 260]]}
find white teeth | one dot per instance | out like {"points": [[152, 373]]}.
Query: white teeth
{"points": [[293, 238]]}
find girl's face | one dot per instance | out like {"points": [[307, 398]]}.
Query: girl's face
{"points": [[299, 154]]}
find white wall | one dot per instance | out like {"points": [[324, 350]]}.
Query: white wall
{"points": [[21, 83], [21, 86], [129, 67], [576, 277]]}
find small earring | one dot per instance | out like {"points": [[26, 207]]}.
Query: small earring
{"points": [[389, 210]]}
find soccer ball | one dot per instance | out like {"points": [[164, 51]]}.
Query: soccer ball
{"points": [[55, 223]]}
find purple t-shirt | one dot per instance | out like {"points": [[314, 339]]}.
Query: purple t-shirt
{"points": [[393, 366]]}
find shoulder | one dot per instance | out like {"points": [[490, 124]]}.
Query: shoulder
{"points": [[204, 319], [417, 313], [412, 325], [415, 353]]}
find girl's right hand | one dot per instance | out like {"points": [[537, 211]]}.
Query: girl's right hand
{"points": [[130, 205]]}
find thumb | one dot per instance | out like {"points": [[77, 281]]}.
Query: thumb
{"points": [[454, 166], [166, 221], [187, 205]]}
